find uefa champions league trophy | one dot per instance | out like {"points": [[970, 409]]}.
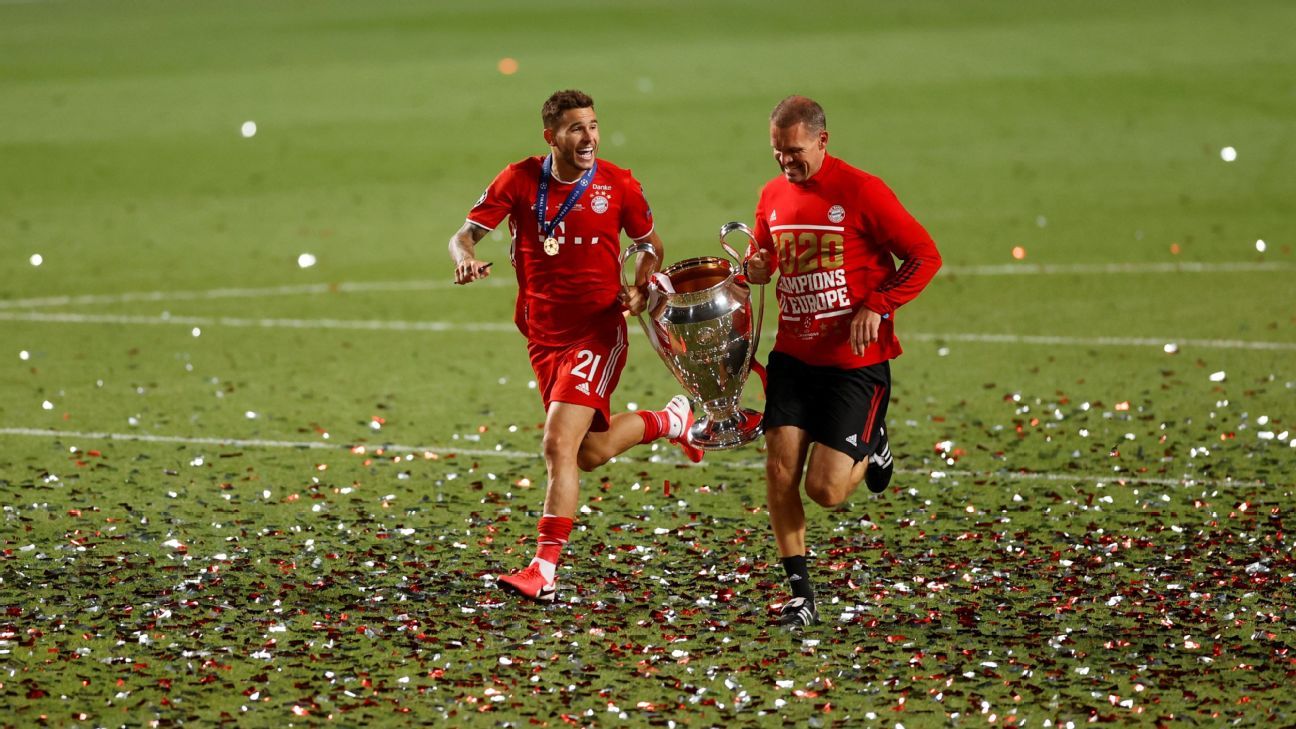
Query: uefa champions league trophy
{"points": [[699, 320]]}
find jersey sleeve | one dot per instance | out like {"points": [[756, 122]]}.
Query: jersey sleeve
{"points": [[636, 216], [496, 202], [906, 239]]}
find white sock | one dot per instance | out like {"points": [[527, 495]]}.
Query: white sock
{"points": [[547, 569]]}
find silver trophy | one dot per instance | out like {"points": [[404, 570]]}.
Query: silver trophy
{"points": [[699, 320]]}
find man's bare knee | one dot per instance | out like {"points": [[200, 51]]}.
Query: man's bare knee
{"points": [[825, 495], [781, 474], [590, 457], [558, 448]]}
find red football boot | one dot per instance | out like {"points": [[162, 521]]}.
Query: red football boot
{"points": [[531, 584]]}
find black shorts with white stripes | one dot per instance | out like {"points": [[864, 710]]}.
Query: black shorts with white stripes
{"points": [[842, 409]]}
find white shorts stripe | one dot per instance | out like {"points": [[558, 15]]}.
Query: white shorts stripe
{"points": [[609, 366]]}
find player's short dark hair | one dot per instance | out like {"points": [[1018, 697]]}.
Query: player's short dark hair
{"points": [[561, 101], [799, 110]]}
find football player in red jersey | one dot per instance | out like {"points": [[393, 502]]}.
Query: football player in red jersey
{"points": [[831, 231], [566, 211]]}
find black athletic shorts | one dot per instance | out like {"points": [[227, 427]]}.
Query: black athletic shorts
{"points": [[842, 409]]}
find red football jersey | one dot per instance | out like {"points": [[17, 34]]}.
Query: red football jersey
{"points": [[834, 237], [560, 297]]}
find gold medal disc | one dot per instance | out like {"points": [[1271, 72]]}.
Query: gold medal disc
{"points": [[551, 246]]}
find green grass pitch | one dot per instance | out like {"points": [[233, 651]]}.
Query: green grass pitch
{"points": [[241, 490]]}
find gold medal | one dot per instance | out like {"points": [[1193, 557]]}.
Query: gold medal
{"points": [[551, 246]]}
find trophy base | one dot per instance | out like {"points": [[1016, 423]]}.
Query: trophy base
{"points": [[720, 434]]}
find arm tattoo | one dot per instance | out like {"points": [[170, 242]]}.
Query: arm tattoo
{"points": [[464, 242]]}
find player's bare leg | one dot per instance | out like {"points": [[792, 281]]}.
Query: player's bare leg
{"points": [[565, 427], [624, 432], [784, 462], [832, 476], [627, 430]]}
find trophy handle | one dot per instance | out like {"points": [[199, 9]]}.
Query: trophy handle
{"points": [[725, 230], [640, 248], [728, 228]]}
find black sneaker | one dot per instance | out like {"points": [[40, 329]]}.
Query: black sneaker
{"points": [[798, 612], [880, 467]]}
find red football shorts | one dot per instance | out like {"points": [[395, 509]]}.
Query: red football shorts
{"points": [[582, 373]]}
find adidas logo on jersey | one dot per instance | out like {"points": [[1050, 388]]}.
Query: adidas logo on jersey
{"points": [[583, 387], [852, 439], [773, 216]]}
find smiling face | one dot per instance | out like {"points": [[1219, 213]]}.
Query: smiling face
{"points": [[574, 140], [798, 151]]}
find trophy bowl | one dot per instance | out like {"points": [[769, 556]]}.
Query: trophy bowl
{"points": [[700, 322]]}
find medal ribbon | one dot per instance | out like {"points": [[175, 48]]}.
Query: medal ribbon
{"points": [[542, 197]]}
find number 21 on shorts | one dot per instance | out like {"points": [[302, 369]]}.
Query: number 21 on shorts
{"points": [[586, 365]]}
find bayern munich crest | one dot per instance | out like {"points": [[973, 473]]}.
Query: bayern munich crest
{"points": [[836, 213], [599, 204]]}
